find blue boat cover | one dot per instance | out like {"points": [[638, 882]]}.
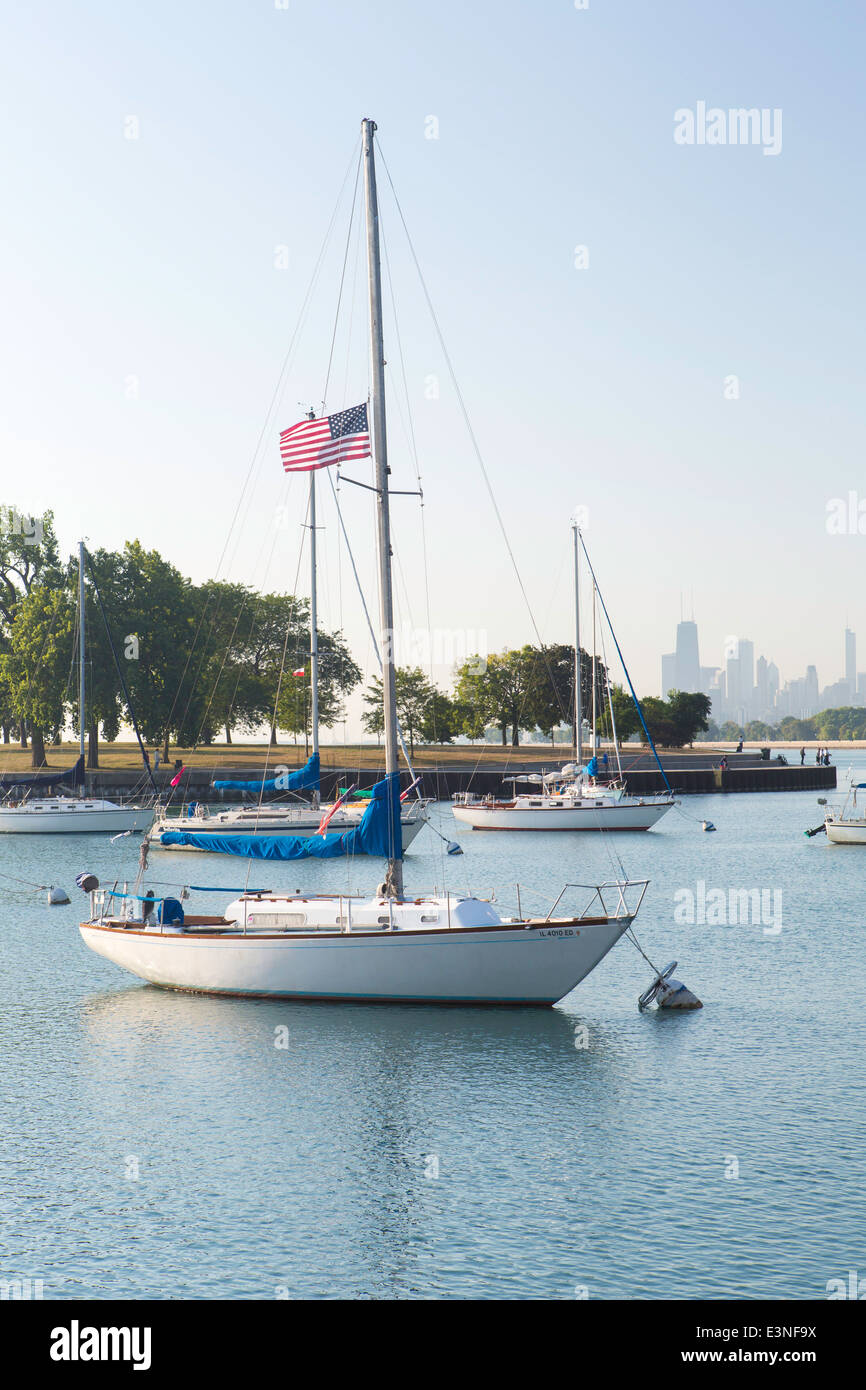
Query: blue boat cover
{"points": [[591, 768], [306, 778], [378, 833], [73, 776]]}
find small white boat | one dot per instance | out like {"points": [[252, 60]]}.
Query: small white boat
{"points": [[60, 815], [847, 826], [439, 949]]}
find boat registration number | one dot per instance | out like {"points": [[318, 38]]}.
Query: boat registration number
{"points": [[558, 931]]}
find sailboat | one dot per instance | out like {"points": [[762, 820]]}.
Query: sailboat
{"points": [[576, 796], [846, 825], [224, 830], [390, 946], [23, 814]]}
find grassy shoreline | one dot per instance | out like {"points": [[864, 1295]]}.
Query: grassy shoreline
{"points": [[124, 756]]}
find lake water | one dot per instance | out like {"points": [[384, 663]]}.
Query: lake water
{"points": [[162, 1146]]}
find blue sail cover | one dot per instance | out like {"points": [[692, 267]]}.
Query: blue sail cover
{"points": [[74, 776], [306, 778], [591, 768], [378, 833]]}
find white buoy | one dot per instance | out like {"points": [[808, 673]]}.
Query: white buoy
{"points": [[669, 993], [57, 896]]}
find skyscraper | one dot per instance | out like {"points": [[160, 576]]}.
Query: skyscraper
{"points": [[687, 669], [851, 661]]}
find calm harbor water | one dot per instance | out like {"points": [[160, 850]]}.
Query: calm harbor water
{"points": [[163, 1146]]}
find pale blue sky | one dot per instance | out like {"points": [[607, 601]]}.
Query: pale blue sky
{"points": [[153, 259]]}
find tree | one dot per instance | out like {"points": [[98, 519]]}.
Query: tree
{"points": [[730, 731], [624, 712], [338, 676], [690, 713], [416, 697], [28, 555], [36, 668], [159, 610]]}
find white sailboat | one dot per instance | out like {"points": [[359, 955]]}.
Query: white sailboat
{"points": [[389, 946], [847, 825], [574, 797], [23, 814], [179, 832]]}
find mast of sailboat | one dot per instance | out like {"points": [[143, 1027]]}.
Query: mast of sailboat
{"points": [[594, 676], [81, 648], [314, 624], [394, 879], [577, 709]]}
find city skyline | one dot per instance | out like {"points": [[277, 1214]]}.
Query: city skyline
{"points": [[743, 688]]}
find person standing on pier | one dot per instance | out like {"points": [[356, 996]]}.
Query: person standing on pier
{"points": [[802, 756]]}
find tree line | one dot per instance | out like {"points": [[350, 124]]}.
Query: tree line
{"points": [[197, 660], [846, 722], [204, 660]]}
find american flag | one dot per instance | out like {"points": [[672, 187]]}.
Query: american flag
{"points": [[332, 439]]}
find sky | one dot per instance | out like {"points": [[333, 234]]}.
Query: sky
{"points": [[666, 336]]}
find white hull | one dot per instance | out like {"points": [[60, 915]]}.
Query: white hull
{"points": [[846, 832], [62, 817], [614, 816], [487, 965], [303, 825]]}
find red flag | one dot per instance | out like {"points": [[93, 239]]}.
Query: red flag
{"points": [[332, 439], [300, 672], [326, 818], [175, 780]]}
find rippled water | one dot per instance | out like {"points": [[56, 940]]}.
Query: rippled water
{"points": [[159, 1145]]}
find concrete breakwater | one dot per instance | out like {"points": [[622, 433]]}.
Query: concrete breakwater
{"points": [[687, 775]]}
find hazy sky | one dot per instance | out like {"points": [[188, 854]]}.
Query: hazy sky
{"points": [[146, 313]]}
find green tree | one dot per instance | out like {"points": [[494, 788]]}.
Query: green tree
{"points": [[28, 555], [416, 707], [36, 667]]}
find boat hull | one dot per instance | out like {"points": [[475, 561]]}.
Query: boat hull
{"points": [[535, 965], [23, 820], [613, 817], [410, 829], [846, 832]]}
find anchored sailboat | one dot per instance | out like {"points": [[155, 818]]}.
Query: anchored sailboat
{"points": [[23, 814], [388, 947], [236, 829], [574, 797]]}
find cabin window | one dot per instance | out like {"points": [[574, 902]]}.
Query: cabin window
{"points": [[277, 919], [429, 916], [535, 803]]}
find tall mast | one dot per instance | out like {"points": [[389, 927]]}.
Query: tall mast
{"points": [[577, 709], [394, 878], [314, 624], [81, 648], [594, 677]]}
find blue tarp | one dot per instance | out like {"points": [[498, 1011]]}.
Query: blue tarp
{"points": [[378, 833], [591, 768], [73, 776], [306, 778]]}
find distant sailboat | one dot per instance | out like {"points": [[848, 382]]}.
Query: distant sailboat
{"points": [[23, 814], [440, 947], [576, 797]]}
